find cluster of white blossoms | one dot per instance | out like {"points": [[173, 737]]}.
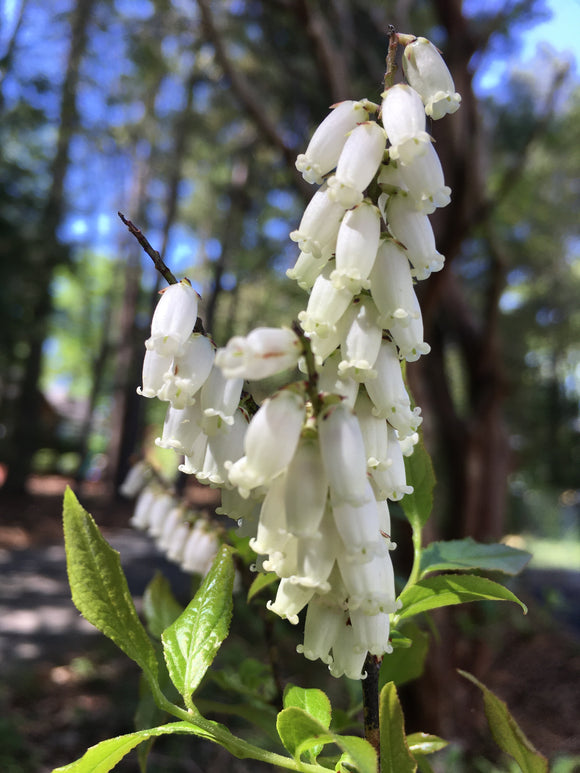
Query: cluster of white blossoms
{"points": [[310, 475]]}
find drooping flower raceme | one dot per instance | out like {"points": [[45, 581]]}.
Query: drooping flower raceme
{"points": [[309, 476]]}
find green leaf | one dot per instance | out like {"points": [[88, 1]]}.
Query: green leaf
{"points": [[449, 589], [105, 755], [192, 641], [301, 733], [160, 606], [425, 743], [261, 581], [406, 663], [395, 754], [466, 554], [313, 701], [507, 733], [99, 587], [419, 471]]}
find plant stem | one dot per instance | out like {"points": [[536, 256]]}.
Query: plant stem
{"points": [[312, 373], [370, 688], [153, 254]]}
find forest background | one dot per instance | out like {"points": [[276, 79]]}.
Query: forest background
{"points": [[187, 117]]}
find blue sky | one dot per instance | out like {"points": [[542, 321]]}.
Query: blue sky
{"points": [[559, 33]]}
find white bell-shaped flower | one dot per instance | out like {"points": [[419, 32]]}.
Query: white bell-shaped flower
{"points": [[291, 599], [328, 140], [374, 432], [323, 346], [172, 522], [324, 624], [408, 336], [173, 319], [200, 549], [220, 396], [305, 270], [414, 231], [390, 481], [137, 478], [318, 228], [343, 454], [181, 429], [194, 462], [392, 285], [389, 394], [423, 180], [347, 659], [262, 353], [155, 368], [272, 530], [178, 542], [358, 526], [358, 163], [332, 382], [356, 247], [326, 304], [223, 449], [315, 556], [142, 514], [371, 632], [385, 523], [236, 507], [306, 490], [428, 74], [360, 346], [160, 509], [189, 372], [270, 441], [370, 586], [403, 117]]}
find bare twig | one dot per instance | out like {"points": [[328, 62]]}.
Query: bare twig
{"points": [[153, 254], [370, 689]]}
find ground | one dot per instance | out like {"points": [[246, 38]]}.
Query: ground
{"points": [[64, 690]]}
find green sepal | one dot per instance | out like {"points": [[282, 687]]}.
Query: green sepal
{"points": [[99, 587], [395, 754], [465, 555], [507, 733], [450, 589], [192, 641]]}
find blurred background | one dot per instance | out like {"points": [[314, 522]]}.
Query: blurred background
{"points": [[187, 117]]}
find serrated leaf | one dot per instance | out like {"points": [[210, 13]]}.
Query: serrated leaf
{"points": [[420, 474], [313, 701], [260, 582], [192, 641], [99, 586], [450, 589], [105, 755], [406, 663], [507, 733], [395, 754], [160, 606], [466, 554], [300, 733], [425, 743]]}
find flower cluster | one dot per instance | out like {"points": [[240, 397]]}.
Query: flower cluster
{"points": [[309, 476]]}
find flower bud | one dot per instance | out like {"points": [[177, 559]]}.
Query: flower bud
{"points": [[328, 140], [358, 163], [264, 352], [403, 117], [428, 74], [173, 318]]}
